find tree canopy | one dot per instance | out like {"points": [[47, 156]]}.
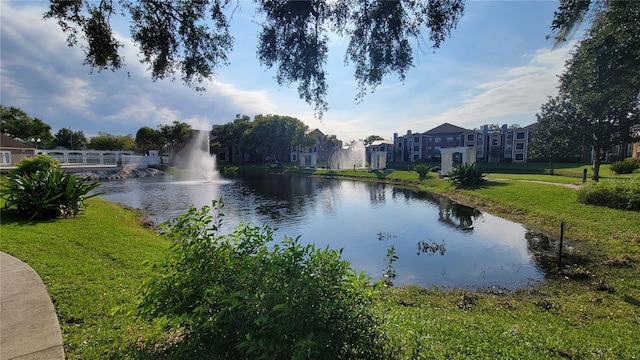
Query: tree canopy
{"points": [[602, 80], [149, 139], [553, 136], [16, 123], [176, 136], [273, 136], [105, 141], [71, 140], [192, 38]]}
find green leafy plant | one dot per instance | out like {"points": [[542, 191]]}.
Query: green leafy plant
{"points": [[30, 165], [467, 174], [238, 296], [422, 169], [618, 194], [46, 194], [624, 167]]}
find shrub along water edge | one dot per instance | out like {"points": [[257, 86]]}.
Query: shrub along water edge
{"points": [[239, 296]]}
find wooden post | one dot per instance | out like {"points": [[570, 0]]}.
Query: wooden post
{"points": [[560, 248], [584, 175]]}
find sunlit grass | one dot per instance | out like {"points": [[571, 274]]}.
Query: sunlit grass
{"points": [[93, 268]]}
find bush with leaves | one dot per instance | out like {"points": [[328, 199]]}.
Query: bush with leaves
{"points": [[30, 165], [616, 194], [624, 167], [422, 169], [467, 174], [40, 189], [236, 296]]}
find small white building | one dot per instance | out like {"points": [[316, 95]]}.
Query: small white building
{"points": [[379, 153]]}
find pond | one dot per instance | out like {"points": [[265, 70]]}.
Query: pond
{"points": [[436, 242]]}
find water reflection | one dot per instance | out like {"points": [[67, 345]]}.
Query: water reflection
{"points": [[467, 248], [457, 216], [431, 247]]}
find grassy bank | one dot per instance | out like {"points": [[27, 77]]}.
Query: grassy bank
{"points": [[94, 268]]}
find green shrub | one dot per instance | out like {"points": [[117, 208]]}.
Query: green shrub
{"points": [[30, 165], [617, 194], [234, 297], [467, 174], [46, 194], [422, 169], [624, 167]]}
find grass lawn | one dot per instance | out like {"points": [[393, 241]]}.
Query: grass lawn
{"points": [[94, 268]]}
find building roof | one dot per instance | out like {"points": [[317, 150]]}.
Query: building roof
{"points": [[381, 142], [9, 142], [317, 132], [445, 128]]}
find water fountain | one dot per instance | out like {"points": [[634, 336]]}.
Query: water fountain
{"points": [[353, 155], [197, 160]]}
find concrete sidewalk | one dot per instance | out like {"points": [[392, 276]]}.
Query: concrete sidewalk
{"points": [[29, 326]]}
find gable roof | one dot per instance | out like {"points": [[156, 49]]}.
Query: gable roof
{"points": [[445, 128], [317, 132], [9, 142], [381, 142]]}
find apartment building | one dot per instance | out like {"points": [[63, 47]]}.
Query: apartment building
{"points": [[492, 144]]}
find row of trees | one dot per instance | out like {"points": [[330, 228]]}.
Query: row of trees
{"points": [[599, 98], [16, 123], [266, 137]]}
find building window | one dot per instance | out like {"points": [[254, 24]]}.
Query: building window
{"points": [[449, 138], [494, 142], [520, 135], [381, 148], [415, 157], [519, 146], [519, 157], [416, 148], [470, 137], [416, 139], [438, 139], [293, 157]]}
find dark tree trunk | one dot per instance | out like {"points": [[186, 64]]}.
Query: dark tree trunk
{"points": [[597, 152]]}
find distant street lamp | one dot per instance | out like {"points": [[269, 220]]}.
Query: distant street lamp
{"points": [[36, 142]]}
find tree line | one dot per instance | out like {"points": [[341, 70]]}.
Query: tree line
{"points": [[16, 123], [265, 137]]}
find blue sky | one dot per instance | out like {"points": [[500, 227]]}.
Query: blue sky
{"points": [[497, 67]]}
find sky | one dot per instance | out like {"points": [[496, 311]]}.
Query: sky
{"points": [[496, 68]]}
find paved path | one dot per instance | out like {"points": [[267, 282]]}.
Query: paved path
{"points": [[29, 326]]}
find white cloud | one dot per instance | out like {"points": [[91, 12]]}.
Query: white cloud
{"points": [[47, 79], [516, 92]]}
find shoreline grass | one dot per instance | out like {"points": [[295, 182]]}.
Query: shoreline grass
{"points": [[93, 266]]}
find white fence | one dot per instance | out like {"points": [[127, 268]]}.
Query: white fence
{"points": [[101, 158], [139, 160]]}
